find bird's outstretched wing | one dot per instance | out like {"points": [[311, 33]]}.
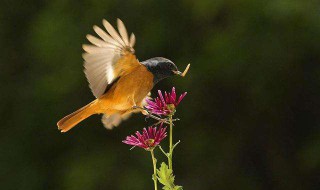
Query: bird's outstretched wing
{"points": [[109, 56]]}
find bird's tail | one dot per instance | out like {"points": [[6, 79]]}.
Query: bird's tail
{"points": [[71, 120]]}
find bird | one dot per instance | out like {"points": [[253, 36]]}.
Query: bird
{"points": [[119, 82]]}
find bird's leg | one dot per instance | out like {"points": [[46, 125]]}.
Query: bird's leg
{"points": [[143, 110], [138, 107], [150, 115]]}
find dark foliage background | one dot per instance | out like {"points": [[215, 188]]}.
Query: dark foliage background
{"points": [[250, 119]]}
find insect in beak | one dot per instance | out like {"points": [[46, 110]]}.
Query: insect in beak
{"points": [[184, 72]]}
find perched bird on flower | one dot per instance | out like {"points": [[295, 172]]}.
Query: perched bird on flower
{"points": [[117, 79], [149, 139], [164, 105]]}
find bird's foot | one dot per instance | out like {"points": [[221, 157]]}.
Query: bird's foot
{"points": [[160, 120], [143, 110], [176, 119], [148, 114]]}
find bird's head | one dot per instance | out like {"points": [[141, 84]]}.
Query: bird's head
{"points": [[161, 68]]}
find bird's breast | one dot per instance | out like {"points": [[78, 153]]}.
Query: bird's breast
{"points": [[130, 89]]}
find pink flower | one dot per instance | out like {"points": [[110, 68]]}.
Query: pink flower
{"points": [[164, 105], [149, 138]]}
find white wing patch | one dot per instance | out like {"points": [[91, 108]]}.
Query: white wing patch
{"points": [[103, 54], [114, 120]]}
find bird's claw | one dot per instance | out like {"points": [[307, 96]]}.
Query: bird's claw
{"points": [[160, 120], [164, 121], [176, 119]]}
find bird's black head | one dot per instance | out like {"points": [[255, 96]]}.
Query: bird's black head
{"points": [[161, 68]]}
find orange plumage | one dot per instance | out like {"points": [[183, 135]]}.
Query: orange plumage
{"points": [[118, 80]]}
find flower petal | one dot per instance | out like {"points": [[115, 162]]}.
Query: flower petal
{"points": [[181, 97], [150, 137], [173, 93]]}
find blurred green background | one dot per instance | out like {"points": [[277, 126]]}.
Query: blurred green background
{"points": [[250, 119]]}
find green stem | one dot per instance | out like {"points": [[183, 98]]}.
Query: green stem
{"points": [[170, 145], [154, 162]]}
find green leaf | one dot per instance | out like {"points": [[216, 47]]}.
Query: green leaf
{"points": [[166, 178]]}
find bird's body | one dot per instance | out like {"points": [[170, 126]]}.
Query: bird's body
{"points": [[117, 79], [130, 90]]}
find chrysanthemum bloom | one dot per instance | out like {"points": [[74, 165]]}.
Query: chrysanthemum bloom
{"points": [[164, 105], [149, 138]]}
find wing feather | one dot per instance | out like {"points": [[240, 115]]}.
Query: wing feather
{"points": [[113, 32], [132, 39], [93, 57], [107, 38], [123, 32], [109, 56], [100, 43], [96, 50]]}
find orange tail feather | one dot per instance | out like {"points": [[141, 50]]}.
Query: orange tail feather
{"points": [[71, 120]]}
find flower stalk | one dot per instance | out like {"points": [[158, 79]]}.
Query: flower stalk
{"points": [[170, 142], [163, 107], [154, 176]]}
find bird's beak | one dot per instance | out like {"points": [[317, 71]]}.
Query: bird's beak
{"points": [[177, 72], [184, 72]]}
